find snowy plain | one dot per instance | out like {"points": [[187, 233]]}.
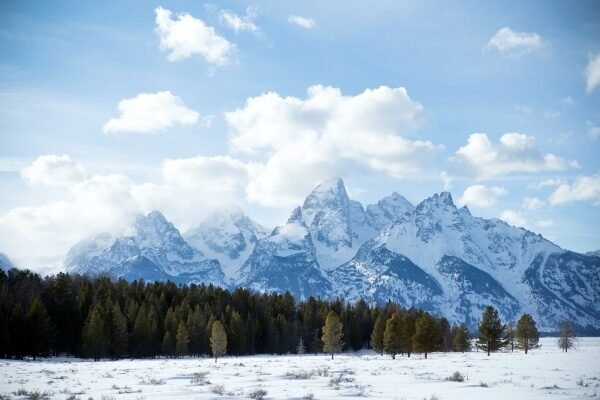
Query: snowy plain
{"points": [[543, 373]]}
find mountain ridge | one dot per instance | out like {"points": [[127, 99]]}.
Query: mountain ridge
{"points": [[433, 255]]}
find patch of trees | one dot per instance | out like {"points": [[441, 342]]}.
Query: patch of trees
{"points": [[104, 318]]}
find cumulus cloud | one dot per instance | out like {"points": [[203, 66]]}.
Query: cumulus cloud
{"points": [[240, 23], [592, 73], [185, 36], [303, 22], [53, 170], [593, 132], [512, 44], [514, 218], [326, 134], [584, 188], [532, 203], [544, 223], [151, 113], [481, 196], [516, 152]]}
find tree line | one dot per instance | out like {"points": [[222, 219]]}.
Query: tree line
{"points": [[105, 318]]}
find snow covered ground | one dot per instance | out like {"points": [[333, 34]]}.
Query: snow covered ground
{"points": [[544, 373]]}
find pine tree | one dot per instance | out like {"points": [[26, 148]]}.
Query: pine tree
{"points": [[41, 333], [218, 340], [141, 335], [168, 344], [527, 334], [491, 331], [301, 349], [181, 348], [377, 334], [462, 339], [566, 335], [391, 336], [509, 338], [407, 333], [445, 335], [426, 335], [94, 339], [236, 332], [119, 337], [332, 334]]}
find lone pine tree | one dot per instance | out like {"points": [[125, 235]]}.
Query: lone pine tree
{"points": [[491, 331], [332, 334], [566, 335], [377, 334], [218, 340], [391, 336], [526, 333], [426, 335]]}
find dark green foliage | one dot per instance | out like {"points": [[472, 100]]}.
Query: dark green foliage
{"points": [[40, 330], [77, 315], [377, 335], [333, 333], [427, 334], [491, 331], [526, 333], [95, 339], [391, 336], [461, 339]]}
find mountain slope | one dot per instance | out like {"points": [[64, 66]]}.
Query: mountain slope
{"points": [[5, 262], [155, 251], [228, 236], [479, 262], [286, 261]]}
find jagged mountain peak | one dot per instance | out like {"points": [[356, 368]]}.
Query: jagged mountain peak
{"points": [[227, 235], [388, 210]]}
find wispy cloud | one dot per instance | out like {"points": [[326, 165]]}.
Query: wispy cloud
{"points": [[303, 22]]}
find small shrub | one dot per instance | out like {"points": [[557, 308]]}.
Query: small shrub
{"points": [[200, 377], [257, 394], [456, 377], [308, 396], [5, 397], [483, 384], [582, 383], [301, 374], [218, 389]]}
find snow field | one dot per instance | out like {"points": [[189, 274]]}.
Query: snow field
{"points": [[543, 373]]}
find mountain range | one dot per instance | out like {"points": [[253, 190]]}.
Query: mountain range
{"points": [[432, 255]]}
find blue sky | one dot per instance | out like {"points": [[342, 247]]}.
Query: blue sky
{"points": [[217, 109]]}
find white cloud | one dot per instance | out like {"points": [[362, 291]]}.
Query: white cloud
{"points": [[532, 203], [240, 23], [514, 218], [512, 44], [551, 182], [584, 188], [545, 223], [303, 22], [53, 170], [151, 113], [568, 101], [593, 132], [221, 174], [516, 152], [481, 196], [185, 36], [592, 73], [326, 134]]}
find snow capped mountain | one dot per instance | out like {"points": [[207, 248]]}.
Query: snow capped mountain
{"points": [[477, 262], [388, 210], [433, 256], [286, 260], [5, 262], [228, 236], [155, 251], [338, 226]]}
